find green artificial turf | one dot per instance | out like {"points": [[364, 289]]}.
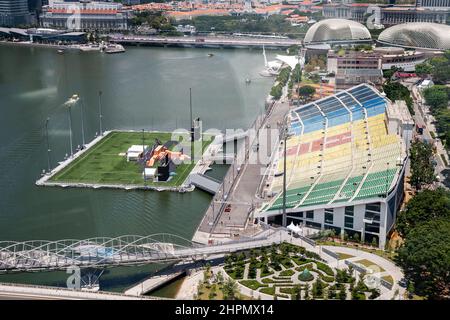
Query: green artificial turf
{"points": [[103, 164]]}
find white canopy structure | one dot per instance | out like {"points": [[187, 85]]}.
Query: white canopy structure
{"points": [[291, 61], [295, 229]]}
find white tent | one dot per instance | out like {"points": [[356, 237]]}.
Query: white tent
{"points": [[295, 229]]}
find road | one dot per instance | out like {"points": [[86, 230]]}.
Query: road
{"points": [[420, 108]]}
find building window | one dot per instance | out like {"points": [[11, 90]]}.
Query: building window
{"points": [[329, 216], [348, 222], [349, 211], [372, 227], [296, 214], [375, 207], [310, 214]]}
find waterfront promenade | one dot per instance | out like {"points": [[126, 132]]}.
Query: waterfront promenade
{"points": [[241, 184], [10, 291], [204, 42]]}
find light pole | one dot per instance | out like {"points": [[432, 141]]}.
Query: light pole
{"points": [[82, 124], [100, 116], [284, 222], [48, 144], [69, 104]]}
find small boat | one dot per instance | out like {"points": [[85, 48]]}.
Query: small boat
{"points": [[248, 81], [60, 51], [113, 48], [210, 55]]}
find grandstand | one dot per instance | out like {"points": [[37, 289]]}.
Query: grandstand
{"points": [[341, 158]]}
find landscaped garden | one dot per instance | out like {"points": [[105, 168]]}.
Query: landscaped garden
{"points": [[292, 272]]}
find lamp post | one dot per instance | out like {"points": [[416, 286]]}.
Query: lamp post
{"points": [[284, 218], [69, 105], [48, 145], [100, 116], [82, 125]]}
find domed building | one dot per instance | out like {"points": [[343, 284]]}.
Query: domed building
{"points": [[423, 35], [337, 31]]}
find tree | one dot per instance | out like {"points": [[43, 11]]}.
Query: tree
{"points": [[306, 91], [423, 69], [230, 289], [422, 170], [425, 258], [436, 97], [427, 205], [297, 293]]}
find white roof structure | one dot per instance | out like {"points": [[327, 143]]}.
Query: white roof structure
{"points": [[134, 151], [291, 61], [337, 30], [137, 148], [424, 35], [149, 172], [292, 227]]}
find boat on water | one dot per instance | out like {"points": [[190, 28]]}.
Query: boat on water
{"points": [[210, 55], [60, 51], [113, 48], [89, 47], [102, 47]]}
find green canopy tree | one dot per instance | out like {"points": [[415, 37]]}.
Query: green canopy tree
{"points": [[436, 97], [425, 258], [422, 170], [427, 205]]}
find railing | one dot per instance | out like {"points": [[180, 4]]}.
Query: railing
{"points": [[330, 253], [73, 292]]}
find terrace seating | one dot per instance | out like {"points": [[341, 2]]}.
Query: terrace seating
{"points": [[342, 154]]}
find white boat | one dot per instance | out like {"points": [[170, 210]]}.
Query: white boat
{"points": [[89, 47], [113, 48]]}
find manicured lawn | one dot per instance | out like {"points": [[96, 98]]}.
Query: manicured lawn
{"points": [[343, 256], [371, 265], [103, 163], [252, 284], [268, 290], [388, 278], [287, 273]]}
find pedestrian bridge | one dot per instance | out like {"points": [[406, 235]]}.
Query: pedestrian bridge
{"points": [[208, 184], [107, 252]]}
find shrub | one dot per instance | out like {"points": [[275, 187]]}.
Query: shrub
{"points": [[323, 267], [268, 290], [252, 284], [287, 273]]}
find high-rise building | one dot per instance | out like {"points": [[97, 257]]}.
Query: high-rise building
{"points": [[433, 3], [14, 12]]}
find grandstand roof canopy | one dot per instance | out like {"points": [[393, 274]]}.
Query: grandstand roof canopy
{"points": [[337, 30], [339, 150], [424, 35]]}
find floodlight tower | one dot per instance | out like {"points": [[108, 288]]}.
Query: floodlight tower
{"points": [[69, 103], [48, 145]]}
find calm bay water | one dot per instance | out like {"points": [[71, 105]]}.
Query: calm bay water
{"points": [[143, 88]]}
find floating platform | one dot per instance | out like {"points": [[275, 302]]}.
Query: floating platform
{"points": [[102, 164]]}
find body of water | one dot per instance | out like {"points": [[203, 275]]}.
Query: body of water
{"points": [[143, 88]]}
